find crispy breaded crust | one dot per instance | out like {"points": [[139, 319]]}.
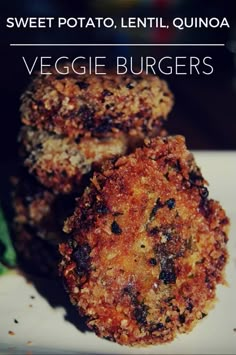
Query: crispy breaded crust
{"points": [[59, 162], [36, 256], [38, 218], [96, 105], [147, 246]]}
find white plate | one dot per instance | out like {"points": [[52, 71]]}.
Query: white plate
{"points": [[43, 329]]}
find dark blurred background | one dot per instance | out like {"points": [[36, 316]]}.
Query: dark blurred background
{"points": [[205, 106]]}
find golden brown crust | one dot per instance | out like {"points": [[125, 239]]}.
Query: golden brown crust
{"points": [[147, 247], [60, 163], [95, 105]]}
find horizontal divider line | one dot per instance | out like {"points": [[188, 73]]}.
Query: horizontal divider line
{"points": [[117, 44]]}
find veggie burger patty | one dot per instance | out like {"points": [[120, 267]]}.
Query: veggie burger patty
{"points": [[146, 246], [96, 105]]}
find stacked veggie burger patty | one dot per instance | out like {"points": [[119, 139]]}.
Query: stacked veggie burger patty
{"points": [[71, 125], [143, 247]]}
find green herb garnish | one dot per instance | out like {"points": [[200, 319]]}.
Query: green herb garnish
{"points": [[7, 252]]}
